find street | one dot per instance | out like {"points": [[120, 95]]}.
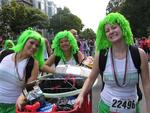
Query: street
{"points": [[95, 97]]}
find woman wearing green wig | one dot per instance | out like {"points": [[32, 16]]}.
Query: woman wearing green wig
{"points": [[65, 47], [30, 44], [8, 44], [120, 77]]}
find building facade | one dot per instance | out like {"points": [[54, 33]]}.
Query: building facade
{"points": [[46, 6], [26, 2]]}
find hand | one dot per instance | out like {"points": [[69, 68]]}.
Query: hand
{"points": [[20, 102], [79, 101]]}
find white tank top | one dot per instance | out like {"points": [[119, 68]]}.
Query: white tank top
{"points": [[10, 85], [111, 89], [71, 62]]}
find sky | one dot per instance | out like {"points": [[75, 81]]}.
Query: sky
{"points": [[89, 11]]}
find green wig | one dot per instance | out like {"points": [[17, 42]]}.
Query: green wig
{"points": [[31, 34], [7, 43], [102, 41], [56, 43]]}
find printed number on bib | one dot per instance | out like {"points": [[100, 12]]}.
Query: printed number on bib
{"points": [[125, 104]]}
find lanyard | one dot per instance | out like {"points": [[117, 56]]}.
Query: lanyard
{"points": [[114, 72]]}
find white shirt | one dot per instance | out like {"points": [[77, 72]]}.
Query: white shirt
{"points": [[111, 90], [10, 85]]}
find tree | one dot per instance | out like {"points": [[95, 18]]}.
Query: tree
{"points": [[114, 5], [88, 34], [138, 14], [63, 11], [16, 17], [148, 31], [65, 20], [39, 19]]}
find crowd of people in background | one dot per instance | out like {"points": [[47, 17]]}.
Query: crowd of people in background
{"points": [[144, 43], [86, 46]]}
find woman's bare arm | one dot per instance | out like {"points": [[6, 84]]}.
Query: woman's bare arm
{"points": [[145, 77]]}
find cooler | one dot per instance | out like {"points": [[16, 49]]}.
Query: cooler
{"points": [[60, 86]]}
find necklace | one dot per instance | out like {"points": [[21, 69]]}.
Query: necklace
{"points": [[16, 67], [114, 72]]}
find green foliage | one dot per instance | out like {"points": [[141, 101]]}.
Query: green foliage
{"points": [[16, 17], [114, 5], [63, 11], [64, 20], [39, 19], [138, 14], [88, 34], [148, 31]]}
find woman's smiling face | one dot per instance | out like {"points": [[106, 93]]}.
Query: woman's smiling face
{"points": [[31, 46], [64, 44], [113, 32]]}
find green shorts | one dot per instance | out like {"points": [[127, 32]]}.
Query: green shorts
{"points": [[7, 108], [103, 108]]}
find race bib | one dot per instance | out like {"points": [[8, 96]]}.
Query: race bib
{"points": [[123, 106]]}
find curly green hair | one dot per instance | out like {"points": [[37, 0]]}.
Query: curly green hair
{"points": [[102, 41], [56, 43], [7, 43], [31, 34]]}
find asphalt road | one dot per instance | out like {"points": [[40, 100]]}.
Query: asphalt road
{"points": [[96, 97]]}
